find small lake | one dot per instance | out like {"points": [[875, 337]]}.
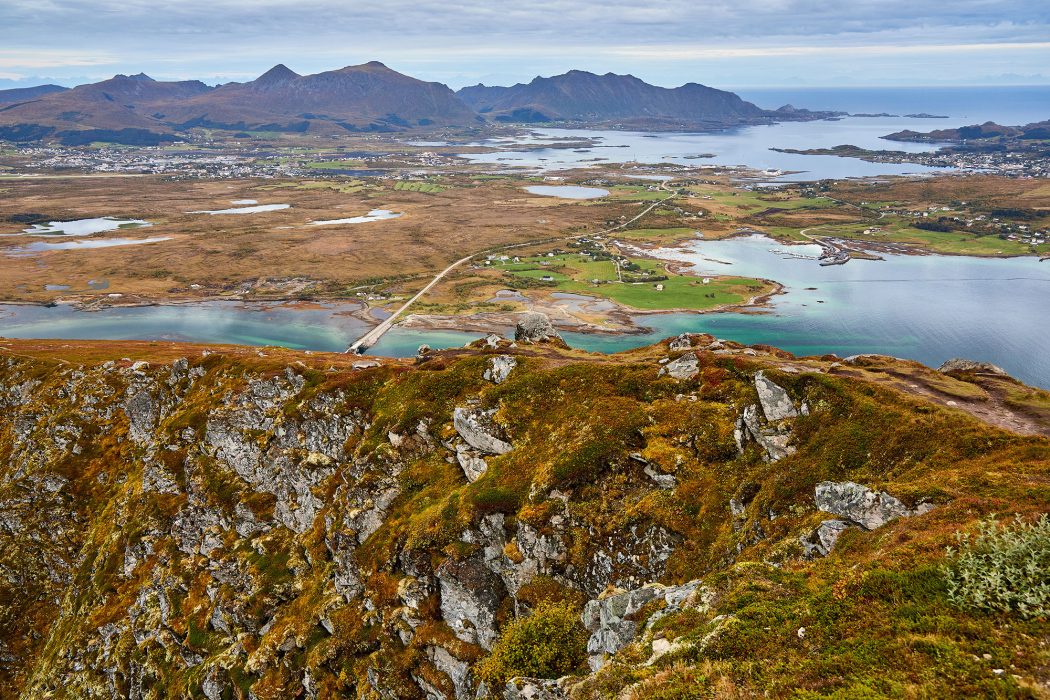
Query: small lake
{"points": [[567, 191], [80, 227], [258, 209], [88, 244], [374, 215]]}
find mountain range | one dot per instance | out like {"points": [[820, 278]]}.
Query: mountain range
{"points": [[587, 97], [370, 97]]}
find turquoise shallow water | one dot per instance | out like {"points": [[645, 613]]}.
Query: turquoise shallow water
{"points": [[926, 308], [328, 327]]}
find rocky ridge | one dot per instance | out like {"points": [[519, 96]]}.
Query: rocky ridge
{"points": [[235, 527]]}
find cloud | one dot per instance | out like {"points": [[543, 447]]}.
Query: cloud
{"points": [[50, 58], [520, 38], [694, 52]]}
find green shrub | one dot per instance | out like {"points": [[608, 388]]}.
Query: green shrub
{"points": [[1003, 568], [549, 643]]}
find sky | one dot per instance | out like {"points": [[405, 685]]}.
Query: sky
{"points": [[723, 43]]}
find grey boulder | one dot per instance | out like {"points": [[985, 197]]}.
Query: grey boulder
{"points": [[533, 689], [499, 367], [685, 367], [821, 541], [533, 327], [776, 404], [477, 429], [860, 505]]}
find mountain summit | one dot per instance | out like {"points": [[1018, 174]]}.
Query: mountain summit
{"points": [[368, 97], [277, 74]]}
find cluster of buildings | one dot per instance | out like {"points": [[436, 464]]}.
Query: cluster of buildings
{"points": [[979, 223], [157, 160], [190, 161], [1020, 164]]}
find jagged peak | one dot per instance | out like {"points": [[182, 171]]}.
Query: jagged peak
{"points": [[277, 73]]}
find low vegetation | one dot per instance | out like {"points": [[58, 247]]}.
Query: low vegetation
{"points": [[549, 643], [1003, 568], [637, 283], [148, 545]]}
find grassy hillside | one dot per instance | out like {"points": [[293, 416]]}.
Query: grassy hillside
{"points": [[180, 521]]}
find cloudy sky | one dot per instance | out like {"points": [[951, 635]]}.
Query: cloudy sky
{"points": [[725, 43]]}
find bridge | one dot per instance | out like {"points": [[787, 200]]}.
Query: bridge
{"points": [[372, 337]]}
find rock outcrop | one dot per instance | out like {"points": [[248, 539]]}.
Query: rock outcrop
{"points": [[533, 689], [228, 524], [958, 365], [470, 597], [856, 506], [820, 542], [610, 618], [776, 404], [682, 342], [477, 429], [534, 327], [685, 367], [498, 368], [862, 506], [773, 432]]}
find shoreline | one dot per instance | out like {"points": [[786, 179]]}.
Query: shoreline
{"points": [[623, 316]]}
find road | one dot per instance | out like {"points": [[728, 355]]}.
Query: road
{"points": [[372, 337]]}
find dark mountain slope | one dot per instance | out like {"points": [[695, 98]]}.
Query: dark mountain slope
{"points": [[366, 97], [582, 96], [356, 97], [111, 106], [28, 93]]}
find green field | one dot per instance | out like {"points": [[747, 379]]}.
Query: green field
{"points": [[960, 243], [334, 164], [418, 186], [657, 235], [758, 201], [630, 193], [347, 187], [899, 230], [582, 275]]}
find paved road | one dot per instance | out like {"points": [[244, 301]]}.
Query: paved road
{"points": [[372, 337]]}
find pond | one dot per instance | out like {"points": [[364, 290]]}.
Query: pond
{"points": [[80, 227], [567, 191], [257, 209], [374, 215], [87, 244]]}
